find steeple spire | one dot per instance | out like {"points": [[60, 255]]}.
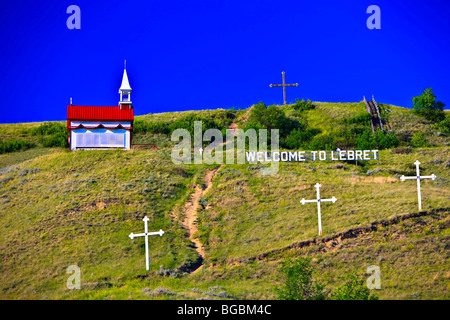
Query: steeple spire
{"points": [[125, 90]]}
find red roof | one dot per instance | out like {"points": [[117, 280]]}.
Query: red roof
{"points": [[99, 113]]}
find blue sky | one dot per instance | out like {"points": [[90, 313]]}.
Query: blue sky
{"points": [[184, 55]]}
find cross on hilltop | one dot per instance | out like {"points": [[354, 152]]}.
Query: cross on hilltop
{"points": [[284, 85]]}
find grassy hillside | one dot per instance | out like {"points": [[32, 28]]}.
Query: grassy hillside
{"points": [[60, 208]]}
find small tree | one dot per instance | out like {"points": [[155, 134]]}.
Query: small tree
{"points": [[427, 106], [298, 282]]}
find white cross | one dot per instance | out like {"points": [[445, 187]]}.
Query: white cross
{"points": [[318, 200], [146, 234], [418, 177]]}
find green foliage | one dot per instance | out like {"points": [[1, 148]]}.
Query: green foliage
{"points": [[352, 289], [380, 140], [427, 106], [48, 128], [303, 105], [363, 118], [419, 140], [14, 145], [56, 140], [444, 125], [323, 142], [187, 123], [298, 282], [219, 122], [273, 117], [299, 138], [52, 134], [142, 127]]}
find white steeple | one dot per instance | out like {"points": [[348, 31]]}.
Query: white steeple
{"points": [[125, 90]]}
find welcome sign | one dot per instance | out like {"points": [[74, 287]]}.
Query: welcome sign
{"points": [[344, 155]]}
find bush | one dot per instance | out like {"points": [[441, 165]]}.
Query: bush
{"points": [[52, 134], [298, 282], [345, 138], [303, 105], [48, 128], [187, 123], [353, 289], [298, 138], [426, 105], [56, 140], [419, 140], [142, 127], [363, 118], [323, 142], [272, 117], [14, 145], [380, 140], [444, 125]]}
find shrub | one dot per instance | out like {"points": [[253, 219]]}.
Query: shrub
{"points": [[142, 127], [272, 117], [323, 142], [380, 140], [14, 145], [419, 140], [48, 128], [298, 282], [353, 289], [52, 134], [387, 140], [345, 138], [444, 125], [298, 138], [187, 123], [56, 140], [363, 118], [303, 105]]}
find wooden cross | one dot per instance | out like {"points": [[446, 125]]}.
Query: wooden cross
{"points": [[146, 234], [418, 177], [284, 85], [318, 200]]}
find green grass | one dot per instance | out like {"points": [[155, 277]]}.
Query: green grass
{"points": [[250, 210], [78, 208]]}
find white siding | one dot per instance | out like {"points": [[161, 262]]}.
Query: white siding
{"points": [[100, 138]]}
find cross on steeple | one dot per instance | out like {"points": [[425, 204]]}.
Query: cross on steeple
{"points": [[125, 90], [284, 85]]}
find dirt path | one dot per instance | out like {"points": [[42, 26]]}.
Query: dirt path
{"points": [[190, 212]]}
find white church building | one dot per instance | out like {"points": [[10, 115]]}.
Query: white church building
{"points": [[92, 127]]}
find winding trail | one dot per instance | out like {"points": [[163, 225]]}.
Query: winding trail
{"points": [[190, 212]]}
